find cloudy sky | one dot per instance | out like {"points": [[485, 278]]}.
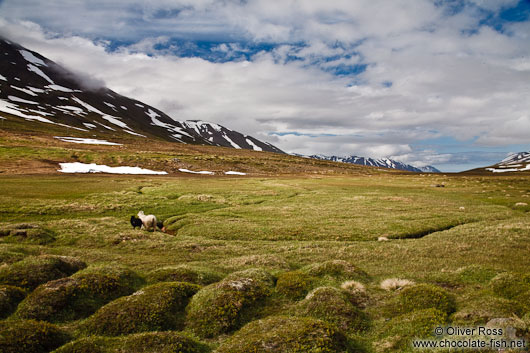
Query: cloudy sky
{"points": [[441, 82]]}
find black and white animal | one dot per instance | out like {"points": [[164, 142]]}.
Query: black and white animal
{"points": [[136, 222], [148, 221]]}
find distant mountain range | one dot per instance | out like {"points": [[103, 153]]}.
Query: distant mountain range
{"points": [[381, 162], [516, 162], [40, 91]]}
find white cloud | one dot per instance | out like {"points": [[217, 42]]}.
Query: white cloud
{"points": [[447, 74]]}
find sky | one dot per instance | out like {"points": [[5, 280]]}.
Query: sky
{"points": [[425, 82]]}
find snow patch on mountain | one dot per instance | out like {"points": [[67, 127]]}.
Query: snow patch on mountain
{"points": [[20, 100], [29, 57], [254, 146], [25, 90], [39, 72]]}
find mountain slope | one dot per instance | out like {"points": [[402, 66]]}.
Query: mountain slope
{"points": [[40, 91], [382, 162]]}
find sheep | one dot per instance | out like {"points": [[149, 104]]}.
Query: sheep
{"points": [[136, 222], [148, 221]]}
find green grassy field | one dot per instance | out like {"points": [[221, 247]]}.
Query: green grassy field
{"points": [[328, 260]]}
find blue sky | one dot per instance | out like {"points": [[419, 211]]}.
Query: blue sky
{"points": [[441, 82]]}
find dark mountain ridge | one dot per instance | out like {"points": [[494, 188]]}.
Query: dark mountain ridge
{"points": [[381, 162], [38, 90]]}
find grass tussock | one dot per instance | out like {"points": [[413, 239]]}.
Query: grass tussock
{"points": [[393, 284]]}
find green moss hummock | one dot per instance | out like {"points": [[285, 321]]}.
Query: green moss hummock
{"points": [[184, 273], [425, 296], [294, 284], [10, 296], [147, 342], [156, 307], [30, 336], [224, 306], [73, 298], [27, 233], [510, 285], [397, 333], [35, 270], [338, 269], [482, 307], [333, 305], [287, 334]]}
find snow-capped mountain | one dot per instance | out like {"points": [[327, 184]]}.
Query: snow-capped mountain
{"points": [[428, 169], [40, 91], [516, 162], [381, 162]]}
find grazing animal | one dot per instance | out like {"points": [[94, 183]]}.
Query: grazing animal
{"points": [[148, 221], [136, 222]]}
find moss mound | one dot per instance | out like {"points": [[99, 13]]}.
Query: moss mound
{"points": [[27, 233], [8, 257], [510, 285], [184, 273], [339, 269], [222, 307], [524, 300], [123, 274], [397, 333], [424, 296], [149, 342], [294, 284], [475, 274], [35, 270], [156, 307], [287, 334], [30, 336], [482, 308], [333, 305], [10, 296], [75, 297]]}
